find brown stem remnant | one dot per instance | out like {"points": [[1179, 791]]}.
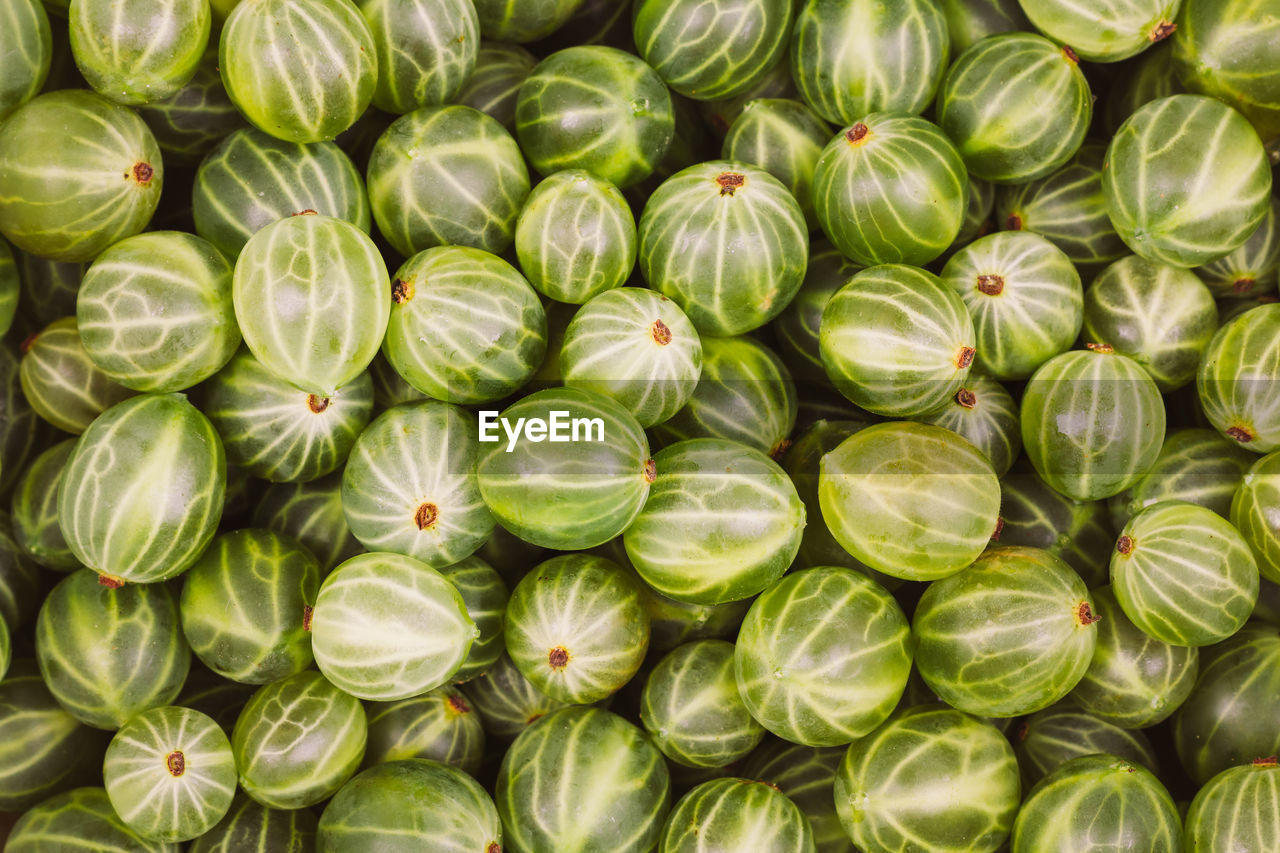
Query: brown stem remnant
{"points": [[650, 470], [494, 847], [1071, 55], [307, 612], [1162, 31], [780, 449], [964, 357], [660, 332], [459, 705], [1085, 614], [729, 182], [1269, 761], [966, 398], [1013, 222], [992, 285], [28, 342], [143, 173], [857, 133], [995, 537], [176, 762], [1244, 435], [558, 658], [426, 515], [1243, 283], [401, 291], [307, 212], [110, 581], [1092, 347], [1125, 545], [316, 403]]}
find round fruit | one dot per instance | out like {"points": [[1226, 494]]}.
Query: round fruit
{"points": [[1186, 180], [1230, 50], [388, 627], [407, 806], [300, 70], [931, 778], [27, 49], [485, 595], [1009, 635], [1251, 269], [1098, 800], [1002, 144], [312, 299], [116, 505], [409, 486], [246, 606], [426, 49], [896, 341], [581, 780], [1233, 714], [1121, 307], [577, 480], [823, 656], [85, 816], [1104, 30], [495, 83], [69, 202], [1184, 575], [523, 20], [1024, 296], [133, 64], [1092, 422], [311, 512], [465, 326], [506, 701], [1048, 739], [692, 709], [736, 814], [984, 414], [1236, 810], [712, 53], [744, 393], [1195, 465], [783, 137], [61, 382], [107, 652], [253, 828], [1255, 512], [192, 121], [722, 523], [1067, 207], [890, 189], [439, 725], [806, 775], [1134, 680], [637, 347], [252, 180], [595, 108], [155, 311], [911, 500], [298, 741], [576, 237], [170, 774], [43, 749], [727, 242], [854, 58], [278, 432], [414, 188], [1234, 380], [577, 628]]}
